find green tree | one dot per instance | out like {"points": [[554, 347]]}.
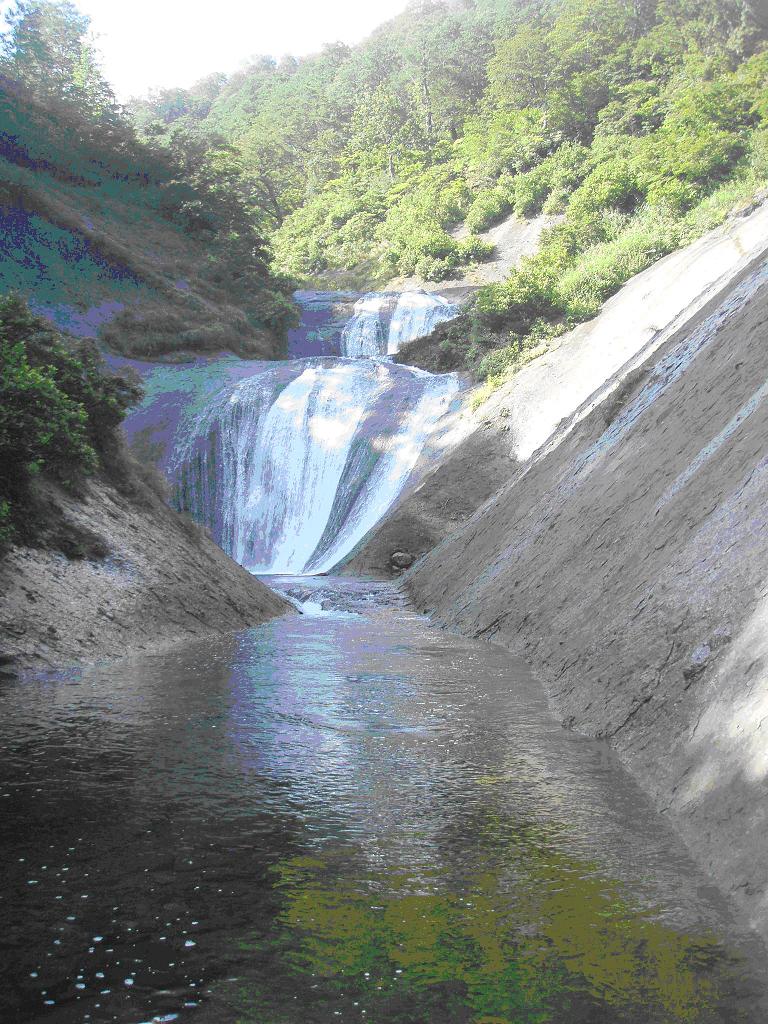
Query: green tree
{"points": [[59, 412], [47, 48]]}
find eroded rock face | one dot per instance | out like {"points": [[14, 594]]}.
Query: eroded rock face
{"points": [[161, 581], [628, 561], [591, 366]]}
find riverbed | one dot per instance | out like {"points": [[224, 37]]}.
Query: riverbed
{"points": [[342, 816]]}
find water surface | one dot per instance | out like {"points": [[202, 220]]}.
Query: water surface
{"points": [[339, 817]]}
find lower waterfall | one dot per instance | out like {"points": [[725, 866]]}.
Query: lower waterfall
{"points": [[291, 467]]}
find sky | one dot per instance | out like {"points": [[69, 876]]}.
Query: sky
{"points": [[148, 44]]}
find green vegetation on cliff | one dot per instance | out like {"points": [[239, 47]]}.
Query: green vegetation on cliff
{"points": [[59, 414], [635, 124], [152, 247]]}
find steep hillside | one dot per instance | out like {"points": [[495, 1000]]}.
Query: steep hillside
{"points": [[93, 562], [153, 250], [488, 444], [137, 577], [632, 128], [627, 561], [95, 236]]}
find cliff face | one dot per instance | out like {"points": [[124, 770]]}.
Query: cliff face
{"points": [[146, 579], [548, 396], [628, 560]]}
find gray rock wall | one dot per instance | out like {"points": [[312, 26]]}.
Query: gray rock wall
{"points": [[628, 561], [162, 582], [550, 395]]}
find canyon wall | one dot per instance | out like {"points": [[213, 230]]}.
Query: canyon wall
{"points": [[486, 447], [626, 553], [144, 578]]}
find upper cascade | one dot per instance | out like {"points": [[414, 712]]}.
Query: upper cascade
{"points": [[416, 315], [366, 334], [383, 321], [290, 468]]}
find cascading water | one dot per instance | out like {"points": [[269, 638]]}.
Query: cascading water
{"points": [[365, 336], [416, 315], [383, 321], [291, 467], [291, 464]]}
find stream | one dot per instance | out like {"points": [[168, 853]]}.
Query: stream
{"points": [[344, 815]]}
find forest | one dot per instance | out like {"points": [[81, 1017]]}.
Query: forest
{"points": [[156, 240], [635, 125]]}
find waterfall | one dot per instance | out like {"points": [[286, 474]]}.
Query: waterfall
{"points": [[416, 315], [399, 455], [291, 467], [383, 321], [290, 464], [365, 336]]}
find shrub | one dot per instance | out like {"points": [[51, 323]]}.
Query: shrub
{"points": [[58, 412], [612, 184], [488, 208], [499, 361], [475, 250], [551, 181], [437, 268], [758, 153], [603, 269]]}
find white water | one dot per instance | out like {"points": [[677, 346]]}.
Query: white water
{"points": [[365, 335], [292, 467], [416, 315], [383, 321], [392, 470]]}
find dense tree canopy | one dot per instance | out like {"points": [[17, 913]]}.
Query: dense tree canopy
{"points": [[635, 123], [462, 111]]}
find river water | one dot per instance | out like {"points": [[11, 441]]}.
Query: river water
{"points": [[340, 816]]}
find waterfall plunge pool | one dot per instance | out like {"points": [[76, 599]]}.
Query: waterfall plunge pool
{"points": [[348, 817]]}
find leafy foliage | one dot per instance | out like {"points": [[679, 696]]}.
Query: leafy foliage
{"points": [[97, 216], [594, 110], [59, 413]]}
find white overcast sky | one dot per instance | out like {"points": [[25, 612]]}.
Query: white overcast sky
{"points": [[149, 44]]}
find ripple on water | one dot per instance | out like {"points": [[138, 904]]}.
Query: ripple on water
{"points": [[346, 816]]}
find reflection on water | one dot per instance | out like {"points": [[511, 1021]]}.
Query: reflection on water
{"points": [[339, 818]]}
